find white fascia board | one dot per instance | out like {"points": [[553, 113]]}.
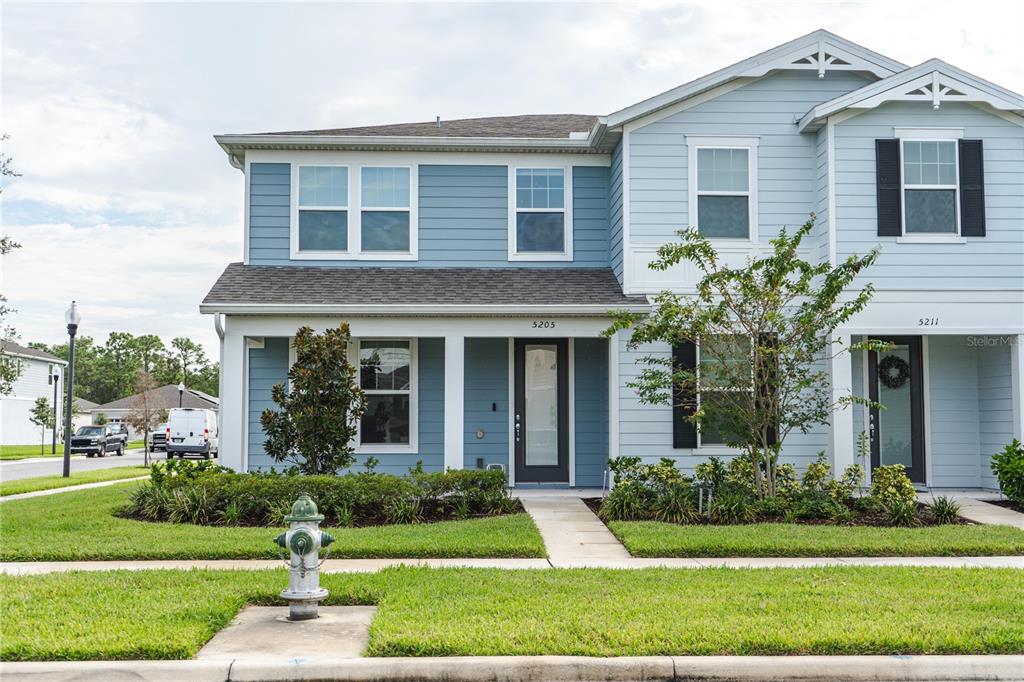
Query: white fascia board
{"points": [[874, 94], [420, 310], [755, 66], [54, 361]]}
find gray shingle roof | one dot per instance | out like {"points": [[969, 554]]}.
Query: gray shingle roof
{"points": [[341, 286], [11, 348], [166, 396], [526, 126]]}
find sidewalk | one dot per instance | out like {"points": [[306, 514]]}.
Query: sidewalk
{"points": [[573, 535], [535, 669], [69, 488]]}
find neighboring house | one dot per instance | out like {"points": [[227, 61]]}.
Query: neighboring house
{"points": [[82, 414], [164, 397], [477, 261], [41, 373]]}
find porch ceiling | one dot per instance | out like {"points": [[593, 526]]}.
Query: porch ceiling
{"points": [[262, 289]]}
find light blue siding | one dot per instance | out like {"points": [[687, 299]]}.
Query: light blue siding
{"points": [[788, 162], [486, 397], [463, 218], [995, 403], [615, 242], [993, 261], [590, 383], [953, 412], [269, 366]]}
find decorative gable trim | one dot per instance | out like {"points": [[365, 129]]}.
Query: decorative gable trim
{"points": [[819, 51], [934, 82]]}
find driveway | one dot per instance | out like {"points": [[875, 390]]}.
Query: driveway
{"points": [[49, 466]]}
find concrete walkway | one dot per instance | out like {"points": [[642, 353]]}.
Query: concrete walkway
{"points": [[974, 506], [70, 488], [573, 535]]}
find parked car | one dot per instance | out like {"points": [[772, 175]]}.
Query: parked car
{"points": [[96, 440], [118, 432], [158, 439], [191, 431]]}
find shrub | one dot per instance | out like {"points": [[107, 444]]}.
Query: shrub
{"points": [[676, 503], [1008, 466], [944, 510], [627, 501], [813, 505], [891, 487], [770, 507], [710, 474], [209, 495], [732, 504], [901, 512], [817, 474]]}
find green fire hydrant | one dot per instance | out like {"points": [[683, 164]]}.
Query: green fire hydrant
{"points": [[303, 540]]}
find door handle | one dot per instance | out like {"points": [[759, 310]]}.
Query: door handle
{"points": [[517, 428]]}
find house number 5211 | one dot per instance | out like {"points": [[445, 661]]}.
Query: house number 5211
{"points": [[927, 322], [543, 324]]}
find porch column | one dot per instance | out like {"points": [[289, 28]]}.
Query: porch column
{"points": [[842, 419], [232, 399], [613, 396], [454, 400], [1017, 385]]}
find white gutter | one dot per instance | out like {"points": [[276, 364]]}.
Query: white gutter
{"points": [[218, 325], [438, 310], [52, 361], [359, 141]]}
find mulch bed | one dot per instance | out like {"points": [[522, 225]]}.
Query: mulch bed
{"points": [[1015, 506]]}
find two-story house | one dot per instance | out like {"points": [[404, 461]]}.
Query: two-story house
{"points": [[41, 375], [477, 261]]}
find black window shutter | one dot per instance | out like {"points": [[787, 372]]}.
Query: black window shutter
{"points": [[972, 189], [887, 186], [767, 385], [684, 402]]}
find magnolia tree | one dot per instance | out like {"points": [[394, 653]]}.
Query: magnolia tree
{"points": [[148, 410], [765, 336], [320, 407], [42, 416]]}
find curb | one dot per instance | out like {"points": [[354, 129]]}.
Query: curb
{"points": [[537, 669]]}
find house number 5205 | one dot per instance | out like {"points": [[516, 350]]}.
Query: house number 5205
{"points": [[543, 324]]}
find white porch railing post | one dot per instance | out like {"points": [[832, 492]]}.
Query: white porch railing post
{"points": [[841, 370], [454, 400]]}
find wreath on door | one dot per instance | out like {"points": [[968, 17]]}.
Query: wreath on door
{"points": [[893, 371]]}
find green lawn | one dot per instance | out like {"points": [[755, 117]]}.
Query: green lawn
{"points": [[463, 612], [654, 539], [81, 526], [26, 451], [26, 485]]}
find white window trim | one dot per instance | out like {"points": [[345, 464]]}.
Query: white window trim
{"points": [[717, 448], [929, 135], [391, 448], [355, 215], [750, 143], [566, 253]]}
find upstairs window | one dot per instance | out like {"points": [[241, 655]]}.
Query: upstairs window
{"points": [[930, 187], [540, 228], [723, 186], [323, 208], [385, 204], [386, 376]]}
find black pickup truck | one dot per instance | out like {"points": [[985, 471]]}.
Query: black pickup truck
{"points": [[96, 441]]}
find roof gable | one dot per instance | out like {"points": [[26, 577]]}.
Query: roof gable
{"points": [[934, 81], [820, 51]]}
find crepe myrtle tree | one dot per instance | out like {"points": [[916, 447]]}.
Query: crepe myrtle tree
{"points": [[320, 407], [41, 415], [765, 335], [147, 411]]}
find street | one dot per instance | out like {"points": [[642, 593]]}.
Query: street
{"points": [[48, 466]]}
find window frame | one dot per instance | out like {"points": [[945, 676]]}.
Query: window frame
{"points": [[750, 144], [952, 135], [297, 208], [355, 214], [413, 392], [567, 222], [717, 448]]}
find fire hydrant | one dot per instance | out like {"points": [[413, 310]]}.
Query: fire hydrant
{"points": [[303, 541]]}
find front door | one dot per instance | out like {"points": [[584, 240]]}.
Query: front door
{"points": [[895, 382], [540, 426]]}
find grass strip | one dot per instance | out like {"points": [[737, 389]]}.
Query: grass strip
{"points": [[83, 527], [656, 539], [488, 612], [27, 485]]}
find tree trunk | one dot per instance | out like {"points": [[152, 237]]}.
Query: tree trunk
{"points": [[145, 447]]}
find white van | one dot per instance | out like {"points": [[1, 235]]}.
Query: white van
{"points": [[191, 431]]}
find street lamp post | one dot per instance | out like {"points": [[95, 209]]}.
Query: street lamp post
{"points": [[181, 392], [73, 318], [55, 378]]}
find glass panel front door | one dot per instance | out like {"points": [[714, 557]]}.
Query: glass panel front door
{"points": [[541, 404], [540, 421], [897, 427]]}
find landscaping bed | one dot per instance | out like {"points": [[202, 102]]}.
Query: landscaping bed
{"points": [[83, 526], [1009, 504], [27, 485], [578, 612]]}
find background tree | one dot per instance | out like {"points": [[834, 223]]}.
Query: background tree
{"points": [[10, 367], [147, 409], [319, 409], [100, 418], [187, 357], [42, 416], [765, 335]]}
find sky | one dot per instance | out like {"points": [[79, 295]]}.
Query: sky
{"points": [[127, 205]]}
